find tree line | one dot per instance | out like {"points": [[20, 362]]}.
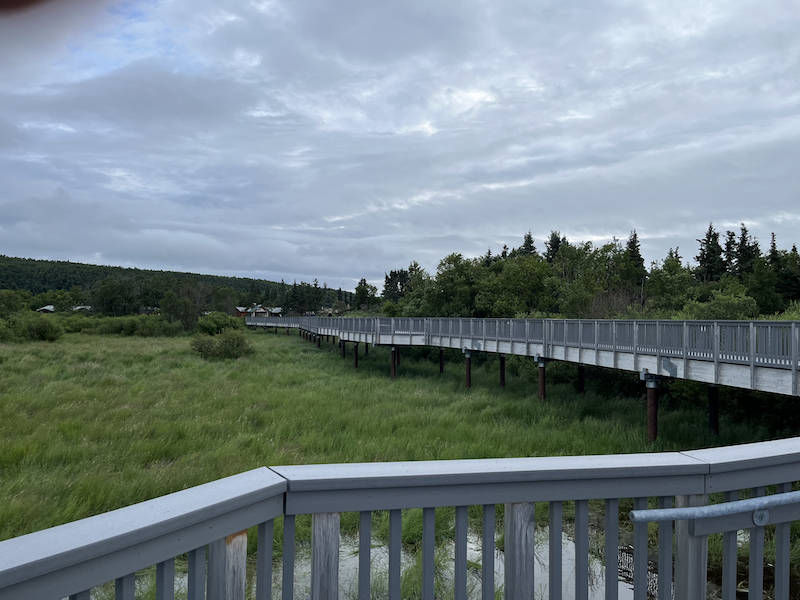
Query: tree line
{"points": [[732, 279], [28, 284]]}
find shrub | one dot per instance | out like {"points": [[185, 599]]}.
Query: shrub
{"points": [[34, 327], [230, 343], [216, 322]]}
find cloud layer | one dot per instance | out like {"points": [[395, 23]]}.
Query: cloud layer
{"points": [[339, 140]]}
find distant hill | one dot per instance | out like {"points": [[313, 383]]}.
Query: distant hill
{"points": [[39, 276]]}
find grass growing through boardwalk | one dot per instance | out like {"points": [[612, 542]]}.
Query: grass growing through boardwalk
{"points": [[89, 424]]}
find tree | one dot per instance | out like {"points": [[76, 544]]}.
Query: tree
{"points": [[669, 283], [365, 294], [553, 245], [747, 252], [527, 248], [710, 264], [730, 253], [395, 284], [632, 271]]}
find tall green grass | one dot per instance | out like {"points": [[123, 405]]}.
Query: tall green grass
{"points": [[89, 424]]}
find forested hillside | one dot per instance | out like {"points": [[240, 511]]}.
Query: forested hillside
{"points": [[119, 291], [732, 279]]}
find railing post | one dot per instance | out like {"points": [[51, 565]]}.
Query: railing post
{"points": [[325, 556], [691, 554], [519, 555], [227, 564]]}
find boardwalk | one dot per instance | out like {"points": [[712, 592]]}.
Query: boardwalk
{"points": [[755, 355]]}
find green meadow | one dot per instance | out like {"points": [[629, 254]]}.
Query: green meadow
{"points": [[92, 423]]}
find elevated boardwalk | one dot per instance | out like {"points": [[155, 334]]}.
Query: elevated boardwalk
{"points": [[754, 355]]}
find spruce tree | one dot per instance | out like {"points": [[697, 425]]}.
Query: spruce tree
{"points": [[711, 265]]}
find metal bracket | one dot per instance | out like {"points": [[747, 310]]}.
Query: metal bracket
{"points": [[647, 376]]}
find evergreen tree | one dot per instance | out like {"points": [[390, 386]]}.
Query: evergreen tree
{"points": [[527, 248], [632, 270], [747, 252], [731, 255], [710, 264], [552, 245]]}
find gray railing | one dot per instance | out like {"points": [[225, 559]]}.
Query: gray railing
{"points": [[210, 521]]}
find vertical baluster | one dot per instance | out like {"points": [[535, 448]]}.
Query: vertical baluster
{"points": [[640, 553], [487, 550], [520, 529], [612, 548], [395, 536], [755, 580], [87, 595], [555, 511], [428, 549], [165, 580], [264, 560], [460, 566], [782, 548], [364, 548], [197, 574], [581, 550], [729, 557], [125, 587], [665, 553], [287, 584]]}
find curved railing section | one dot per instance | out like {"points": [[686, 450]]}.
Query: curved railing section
{"points": [[208, 523], [757, 355]]}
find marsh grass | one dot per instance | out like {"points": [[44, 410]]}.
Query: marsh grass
{"points": [[89, 424]]}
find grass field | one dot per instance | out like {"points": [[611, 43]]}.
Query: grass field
{"points": [[92, 423]]}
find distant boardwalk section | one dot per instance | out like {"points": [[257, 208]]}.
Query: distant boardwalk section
{"points": [[755, 355]]}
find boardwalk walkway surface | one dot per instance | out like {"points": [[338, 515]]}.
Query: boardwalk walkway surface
{"points": [[755, 355]]}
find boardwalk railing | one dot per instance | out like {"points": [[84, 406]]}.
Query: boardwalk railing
{"points": [[210, 521], [758, 355]]}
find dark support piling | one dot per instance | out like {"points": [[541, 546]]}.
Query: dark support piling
{"points": [[441, 360], [319, 341], [502, 370], [276, 330], [713, 409], [344, 348], [542, 382], [652, 410], [469, 369], [394, 362], [581, 379], [355, 355], [287, 331], [398, 356], [366, 349]]}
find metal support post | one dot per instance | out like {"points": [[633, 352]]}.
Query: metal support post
{"points": [[542, 381], [441, 360], [398, 356], [366, 349], [581, 379], [355, 355], [713, 409], [652, 410], [394, 362], [319, 341], [468, 356], [502, 370]]}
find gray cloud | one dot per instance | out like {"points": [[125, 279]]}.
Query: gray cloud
{"points": [[342, 140]]}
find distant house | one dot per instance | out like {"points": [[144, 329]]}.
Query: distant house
{"points": [[241, 311], [48, 308], [82, 307], [275, 311]]}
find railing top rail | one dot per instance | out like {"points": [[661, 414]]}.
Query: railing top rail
{"points": [[757, 455], [42, 552], [481, 471]]}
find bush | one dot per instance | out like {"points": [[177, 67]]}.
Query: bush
{"points": [[216, 322], [33, 327], [231, 343]]}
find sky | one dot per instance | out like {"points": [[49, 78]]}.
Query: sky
{"points": [[342, 139]]}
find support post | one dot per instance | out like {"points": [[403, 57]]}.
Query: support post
{"points": [[325, 556], [468, 356], [319, 341], [542, 386], [227, 564], [713, 409], [581, 379], [441, 360], [394, 362], [355, 355], [276, 330], [691, 554], [503, 370], [366, 349], [398, 356], [652, 410], [519, 556], [344, 348]]}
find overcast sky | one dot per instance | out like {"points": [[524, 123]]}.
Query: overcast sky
{"points": [[339, 139]]}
